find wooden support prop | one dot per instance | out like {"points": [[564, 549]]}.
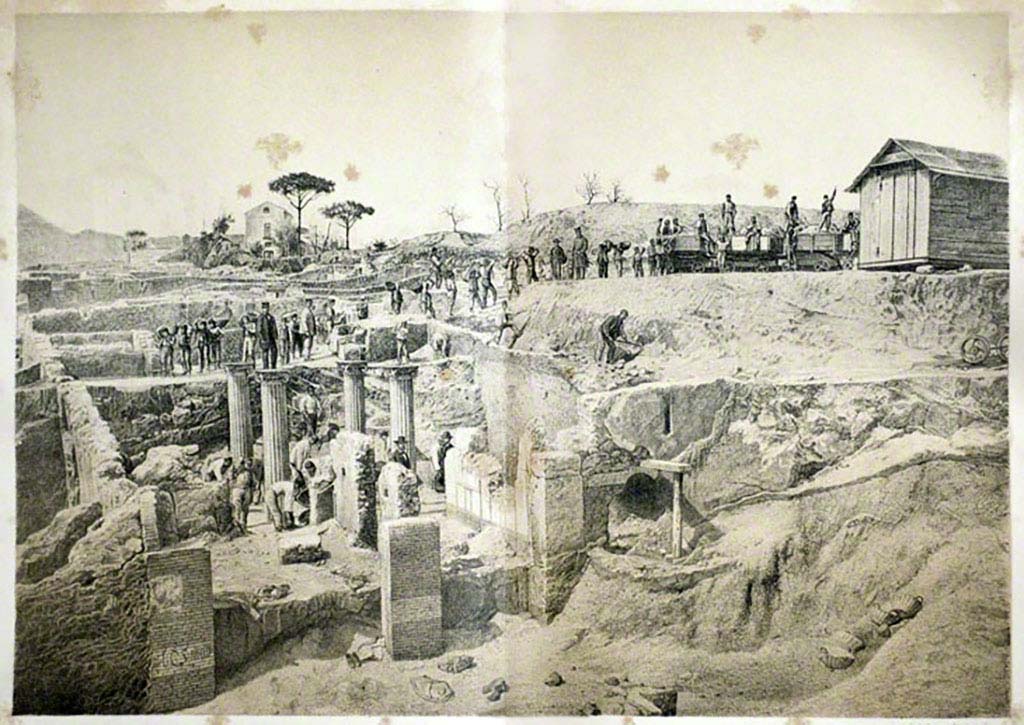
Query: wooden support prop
{"points": [[678, 469]]}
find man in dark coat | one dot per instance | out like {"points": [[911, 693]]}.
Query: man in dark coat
{"points": [[580, 259], [602, 259], [611, 333], [183, 338], [444, 444], [266, 336], [531, 264], [707, 244], [557, 259]]}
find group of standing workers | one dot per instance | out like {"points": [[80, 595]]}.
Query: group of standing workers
{"points": [[292, 337], [266, 340], [196, 343]]}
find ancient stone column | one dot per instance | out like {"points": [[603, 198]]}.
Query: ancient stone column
{"points": [[239, 413], [402, 410], [353, 372], [274, 403]]}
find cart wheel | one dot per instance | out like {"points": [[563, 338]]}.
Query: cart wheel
{"points": [[1003, 348], [728, 267], [974, 350], [763, 267], [822, 264]]}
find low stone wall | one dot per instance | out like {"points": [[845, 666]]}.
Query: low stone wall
{"points": [[58, 292], [36, 348], [243, 632], [104, 361], [96, 453]]}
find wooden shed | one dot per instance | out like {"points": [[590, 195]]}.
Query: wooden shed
{"points": [[924, 204]]}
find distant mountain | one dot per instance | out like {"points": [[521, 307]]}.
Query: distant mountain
{"points": [[42, 242]]}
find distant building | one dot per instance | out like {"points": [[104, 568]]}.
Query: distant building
{"points": [[263, 223], [924, 204]]}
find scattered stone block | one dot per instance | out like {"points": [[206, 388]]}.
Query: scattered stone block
{"points": [[411, 588], [300, 548], [45, 551], [398, 492], [355, 489]]}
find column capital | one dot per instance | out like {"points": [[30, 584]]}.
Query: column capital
{"points": [[239, 368], [398, 370], [352, 367], [272, 376]]}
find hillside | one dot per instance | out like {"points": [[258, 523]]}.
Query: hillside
{"points": [[42, 242], [631, 222]]}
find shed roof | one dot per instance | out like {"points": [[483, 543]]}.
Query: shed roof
{"points": [[945, 160]]}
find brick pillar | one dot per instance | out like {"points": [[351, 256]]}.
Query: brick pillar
{"points": [[239, 414], [410, 606], [181, 659], [402, 409], [353, 372], [274, 406]]}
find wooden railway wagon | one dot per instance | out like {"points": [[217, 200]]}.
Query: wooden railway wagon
{"points": [[925, 204], [687, 254], [824, 251]]}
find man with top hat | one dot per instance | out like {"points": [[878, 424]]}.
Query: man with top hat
{"points": [[266, 335]]}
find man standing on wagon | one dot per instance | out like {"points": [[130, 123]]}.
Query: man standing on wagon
{"points": [[729, 214], [827, 208]]}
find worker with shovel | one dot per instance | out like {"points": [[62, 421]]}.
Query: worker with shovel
{"points": [[613, 338]]}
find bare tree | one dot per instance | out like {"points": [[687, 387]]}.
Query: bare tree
{"points": [[616, 194], [524, 184], [455, 215], [495, 188], [591, 187]]}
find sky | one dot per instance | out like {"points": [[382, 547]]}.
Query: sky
{"points": [[153, 121]]}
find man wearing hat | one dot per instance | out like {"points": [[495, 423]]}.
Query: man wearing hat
{"points": [[266, 335], [581, 261], [307, 327], [399, 452], [729, 214], [611, 332], [444, 444], [557, 259]]}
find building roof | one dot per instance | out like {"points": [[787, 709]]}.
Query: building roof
{"points": [[266, 203], [942, 159]]}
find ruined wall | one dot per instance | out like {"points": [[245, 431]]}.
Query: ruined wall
{"points": [[182, 413], [36, 348], [97, 456], [81, 634], [523, 392], [57, 293], [40, 483], [104, 361]]}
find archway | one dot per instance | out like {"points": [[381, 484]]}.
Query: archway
{"points": [[634, 511]]}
